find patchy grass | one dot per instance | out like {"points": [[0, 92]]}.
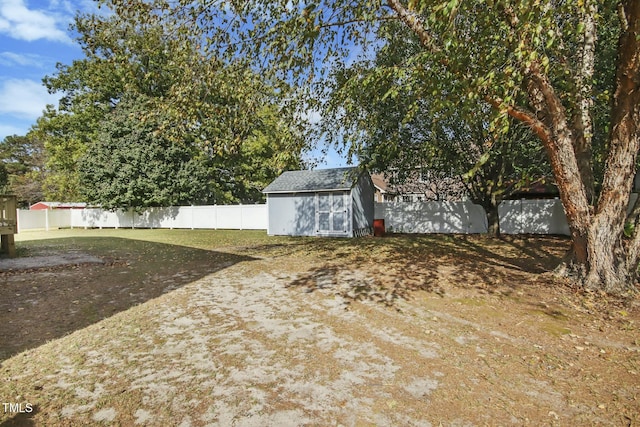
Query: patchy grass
{"points": [[214, 327]]}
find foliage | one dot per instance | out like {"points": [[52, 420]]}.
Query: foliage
{"points": [[193, 98], [393, 125], [65, 135], [133, 165], [4, 178], [22, 168], [533, 61]]}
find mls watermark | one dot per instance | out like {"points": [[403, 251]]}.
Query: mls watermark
{"points": [[17, 408]]}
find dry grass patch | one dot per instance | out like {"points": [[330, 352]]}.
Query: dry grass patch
{"points": [[234, 328]]}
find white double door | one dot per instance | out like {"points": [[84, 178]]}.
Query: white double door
{"points": [[332, 213]]}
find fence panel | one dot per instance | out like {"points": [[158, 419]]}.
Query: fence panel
{"points": [[228, 217], [31, 220], [432, 217], [238, 217], [254, 217], [170, 217], [203, 217], [43, 219], [99, 218], [533, 217], [58, 218], [516, 216]]}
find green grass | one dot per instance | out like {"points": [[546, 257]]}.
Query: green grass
{"points": [[198, 239], [531, 254]]}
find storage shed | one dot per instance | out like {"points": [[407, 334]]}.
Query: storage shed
{"points": [[325, 202]]}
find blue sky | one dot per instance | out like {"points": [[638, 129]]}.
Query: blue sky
{"points": [[34, 36]]}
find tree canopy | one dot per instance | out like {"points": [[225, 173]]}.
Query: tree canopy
{"points": [[133, 165], [567, 70], [532, 61], [399, 128], [22, 168], [220, 111]]}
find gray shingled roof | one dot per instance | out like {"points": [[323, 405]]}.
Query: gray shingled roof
{"points": [[309, 181]]}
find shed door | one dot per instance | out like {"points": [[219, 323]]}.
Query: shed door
{"points": [[331, 213]]}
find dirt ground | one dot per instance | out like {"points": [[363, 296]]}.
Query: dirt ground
{"points": [[453, 331]]}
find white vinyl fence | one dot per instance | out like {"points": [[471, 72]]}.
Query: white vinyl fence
{"points": [[516, 217], [533, 217], [43, 219], [238, 217], [432, 217]]}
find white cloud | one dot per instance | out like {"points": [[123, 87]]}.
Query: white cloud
{"points": [[64, 5], [22, 23], [24, 99], [23, 59]]}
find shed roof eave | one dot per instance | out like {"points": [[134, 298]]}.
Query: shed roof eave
{"points": [[315, 190]]}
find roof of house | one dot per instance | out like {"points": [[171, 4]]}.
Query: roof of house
{"points": [[381, 183], [59, 205], [316, 180]]}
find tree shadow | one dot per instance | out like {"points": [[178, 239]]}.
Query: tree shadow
{"points": [[149, 218], [22, 419], [45, 303], [526, 253], [385, 270], [359, 287]]}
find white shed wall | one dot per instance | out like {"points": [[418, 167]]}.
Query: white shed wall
{"points": [[291, 214]]}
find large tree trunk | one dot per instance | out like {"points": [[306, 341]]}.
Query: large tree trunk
{"points": [[583, 124], [612, 263], [603, 258]]}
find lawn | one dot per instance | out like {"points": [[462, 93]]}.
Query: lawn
{"points": [[212, 327]]}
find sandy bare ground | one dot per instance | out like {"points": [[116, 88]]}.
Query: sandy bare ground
{"points": [[47, 261], [271, 343]]}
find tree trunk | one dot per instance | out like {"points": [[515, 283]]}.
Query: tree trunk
{"points": [[601, 256], [611, 262], [493, 220], [608, 267], [583, 124]]}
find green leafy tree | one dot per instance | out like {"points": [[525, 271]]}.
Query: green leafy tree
{"points": [[22, 168], [132, 164], [4, 178], [394, 128], [191, 97], [263, 155], [532, 61]]}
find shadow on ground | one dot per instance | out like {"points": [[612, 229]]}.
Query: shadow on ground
{"points": [[23, 418], [396, 266], [41, 304]]}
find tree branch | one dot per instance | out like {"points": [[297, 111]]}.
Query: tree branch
{"points": [[583, 124], [524, 116], [414, 22]]}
